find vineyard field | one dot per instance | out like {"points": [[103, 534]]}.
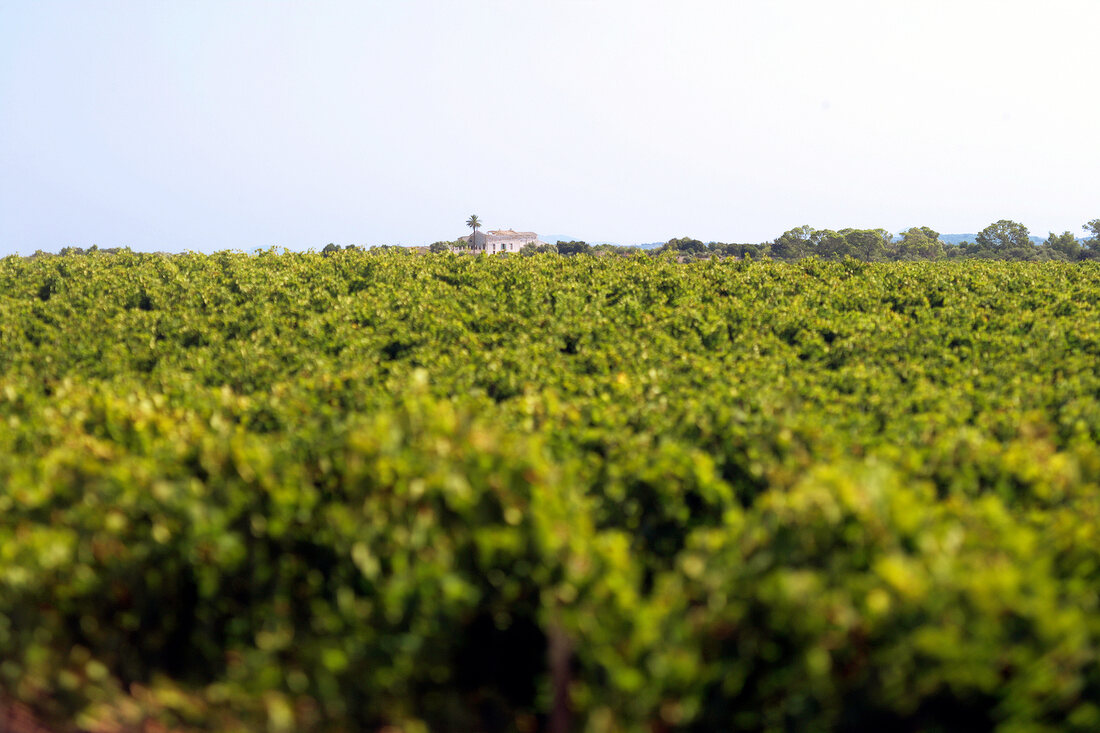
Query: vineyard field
{"points": [[377, 490]]}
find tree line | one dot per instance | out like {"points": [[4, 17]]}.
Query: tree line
{"points": [[1002, 240]]}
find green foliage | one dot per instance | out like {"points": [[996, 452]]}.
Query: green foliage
{"points": [[684, 245], [531, 248], [573, 248], [738, 250], [338, 493], [793, 244], [864, 244], [1093, 242], [1063, 246], [1004, 236], [918, 243]]}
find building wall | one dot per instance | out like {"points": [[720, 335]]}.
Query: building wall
{"points": [[497, 243], [483, 243]]}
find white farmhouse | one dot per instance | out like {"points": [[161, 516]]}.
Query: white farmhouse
{"points": [[499, 240]]}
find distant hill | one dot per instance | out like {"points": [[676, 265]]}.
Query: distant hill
{"points": [[957, 238]]}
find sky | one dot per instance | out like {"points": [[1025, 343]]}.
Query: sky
{"points": [[212, 125]]}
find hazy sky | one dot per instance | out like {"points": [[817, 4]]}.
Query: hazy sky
{"points": [[235, 125]]}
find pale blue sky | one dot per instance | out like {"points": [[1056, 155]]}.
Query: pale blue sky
{"points": [[235, 125]]}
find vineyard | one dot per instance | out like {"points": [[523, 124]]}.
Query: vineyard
{"points": [[440, 493]]}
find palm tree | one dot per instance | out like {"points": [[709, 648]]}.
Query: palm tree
{"points": [[473, 222]]}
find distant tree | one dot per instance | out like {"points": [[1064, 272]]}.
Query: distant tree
{"points": [[973, 250], [439, 247], [330, 248], [1063, 246], [737, 250], [615, 249], [1093, 242], [918, 243], [794, 243], [473, 222], [573, 248], [684, 245], [1004, 236], [867, 244], [531, 248], [828, 244]]}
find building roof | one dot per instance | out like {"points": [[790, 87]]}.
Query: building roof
{"points": [[483, 239]]}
